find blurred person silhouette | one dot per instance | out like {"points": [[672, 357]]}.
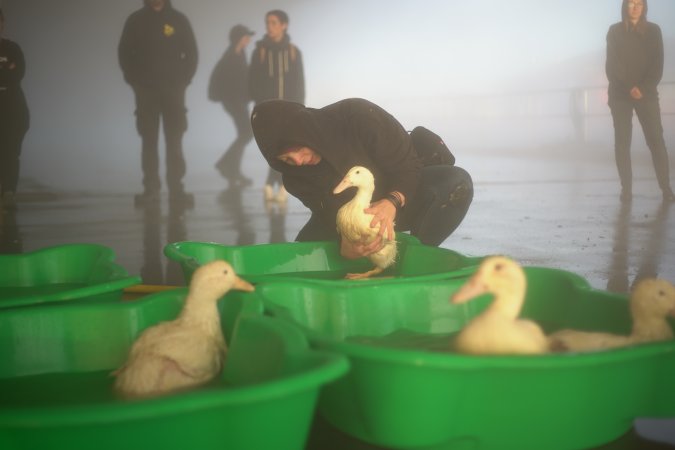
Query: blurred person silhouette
{"points": [[229, 85], [276, 72], [14, 116], [314, 149], [634, 68], [158, 57], [235, 213]]}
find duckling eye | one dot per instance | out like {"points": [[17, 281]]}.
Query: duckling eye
{"points": [[225, 272], [662, 293], [358, 172], [499, 267]]}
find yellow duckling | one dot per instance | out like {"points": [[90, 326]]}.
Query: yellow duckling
{"points": [[188, 351], [651, 301], [353, 223], [497, 330]]}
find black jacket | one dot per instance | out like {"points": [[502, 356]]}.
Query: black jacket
{"points": [[229, 79], [12, 100], [634, 59], [276, 71], [347, 133], [158, 48]]}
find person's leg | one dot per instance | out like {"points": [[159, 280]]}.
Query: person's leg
{"points": [[316, 230], [443, 198], [649, 115], [622, 117], [147, 124], [230, 164], [174, 122]]}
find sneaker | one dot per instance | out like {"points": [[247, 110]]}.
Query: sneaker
{"points": [[282, 195], [147, 197], [268, 192], [186, 199], [239, 180]]}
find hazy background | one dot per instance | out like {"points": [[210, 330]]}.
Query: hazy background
{"points": [[490, 76]]}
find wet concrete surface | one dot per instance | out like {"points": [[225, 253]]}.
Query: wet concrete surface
{"points": [[550, 207]]}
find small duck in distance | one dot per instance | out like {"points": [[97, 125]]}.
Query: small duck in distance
{"points": [[353, 224], [188, 351]]}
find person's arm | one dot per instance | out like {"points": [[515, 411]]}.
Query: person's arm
{"points": [[654, 71], [13, 71], [191, 52], [612, 63], [126, 53]]}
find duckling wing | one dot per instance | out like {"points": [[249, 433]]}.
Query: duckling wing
{"points": [[386, 256], [354, 225], [169, 358], [493, 336]]}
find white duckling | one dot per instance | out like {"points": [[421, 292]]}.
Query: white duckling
{"points": [[651, 301], [188, 351], [497, 330], [353, 223]]}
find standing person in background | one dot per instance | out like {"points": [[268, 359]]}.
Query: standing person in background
{"points": [[634, 69], [276, 72], [158, 56], [229, 86], [14, 117]]}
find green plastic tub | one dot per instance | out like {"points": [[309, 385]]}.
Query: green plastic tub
{"points": [[408, 390], [63, 272], [320, 261], [56, 388]]}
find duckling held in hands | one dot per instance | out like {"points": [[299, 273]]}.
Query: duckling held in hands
{"points": [[651, 301], [188, 351], [353, 224], [497, 330]]}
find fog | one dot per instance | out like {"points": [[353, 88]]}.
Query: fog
{"points": [[488, 75]]}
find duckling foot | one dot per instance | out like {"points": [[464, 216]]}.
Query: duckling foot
{"points": [[364, 275]]}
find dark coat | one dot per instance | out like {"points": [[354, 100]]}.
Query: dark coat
{"points": [[158, 49], [229, 79], [276, 71], [634, 59], [347, 133]]}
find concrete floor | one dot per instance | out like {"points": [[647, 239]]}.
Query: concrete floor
{"points": [[555, 207]]}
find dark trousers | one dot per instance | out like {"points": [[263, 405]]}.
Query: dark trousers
{"points": [[167, 104], [230, 163], [649, 115], [12, 132], [442, 200]]}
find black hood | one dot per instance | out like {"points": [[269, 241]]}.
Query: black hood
{"points": [[279, 124]]}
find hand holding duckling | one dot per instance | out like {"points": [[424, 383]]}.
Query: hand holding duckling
{"points": [[354, 224], [651, 302], [188, 351], [497, 330]]}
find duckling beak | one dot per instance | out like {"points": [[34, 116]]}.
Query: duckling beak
{"points": [[470, 289], [243, 285], [344, 184]]}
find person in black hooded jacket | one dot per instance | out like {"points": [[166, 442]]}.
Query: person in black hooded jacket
{"points": [[314, 148], [634, 69], [158, 57], [14, 116]]}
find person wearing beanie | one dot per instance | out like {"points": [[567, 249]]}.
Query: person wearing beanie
{"points": [[229, 85], [158, 57], [634, 68], [14, 116], [276, 72]]}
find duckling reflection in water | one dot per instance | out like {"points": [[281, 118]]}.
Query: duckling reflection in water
{"points": [[498, 330], [353, 224], [651, 302], [188, 351]]}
